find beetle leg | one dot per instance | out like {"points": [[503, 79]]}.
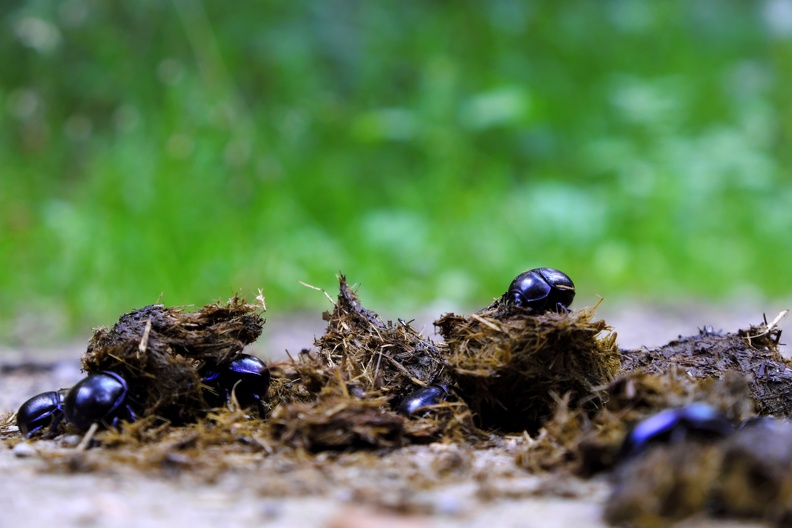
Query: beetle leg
{"points": [[131, 416], [57, 418]]}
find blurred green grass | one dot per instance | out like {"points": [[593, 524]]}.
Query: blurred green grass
{"points": [[429, 150]]}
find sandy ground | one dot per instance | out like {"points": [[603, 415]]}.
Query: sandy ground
{"points": [[493, 491]]}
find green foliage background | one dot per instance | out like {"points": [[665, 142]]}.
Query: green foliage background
{"points": [[429, 150]]}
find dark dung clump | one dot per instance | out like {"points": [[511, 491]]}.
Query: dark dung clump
{"points": [[752, 352], [344, 393], [739, 374], [160, 352], [374, 357], [746, 475], [512, 367]]}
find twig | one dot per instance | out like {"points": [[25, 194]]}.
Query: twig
{"points": [[318, 289], [342, 383], [485, 322], [379, 359], [260, 298], [406, 372], [143, 346], [770, 327], [83, 445]]}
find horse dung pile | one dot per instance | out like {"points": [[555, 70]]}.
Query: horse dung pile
{"points": [[526, 369]]}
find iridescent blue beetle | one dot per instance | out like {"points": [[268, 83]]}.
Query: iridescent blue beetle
{"points": [[247, 377], [541, 290], [697, 420], [99, 398], [42, 411], [423, 398]]}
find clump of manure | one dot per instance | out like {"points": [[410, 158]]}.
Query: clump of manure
{"points": [[709, 355], [343, 394], [512, 366], [161, 351], [745, 475]]}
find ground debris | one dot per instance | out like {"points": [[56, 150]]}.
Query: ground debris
{"points": [[339, 423], [206, 447]]}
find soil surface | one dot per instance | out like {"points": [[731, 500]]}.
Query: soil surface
{"points": [[433, 485]]}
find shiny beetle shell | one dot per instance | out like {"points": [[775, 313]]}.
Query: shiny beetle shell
{"points": [[98, 398], [247, 377], [541, 290], [422, 398], [697, 420], [40, 411]]}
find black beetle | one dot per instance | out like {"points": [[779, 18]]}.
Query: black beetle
{"points": [[40, 411], [422, 398], [247, 377], [542, 290], [697, 420], [100, 398]]}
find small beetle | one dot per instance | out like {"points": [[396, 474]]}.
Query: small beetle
{"points": [[541, 290], [422, 398], [101, 398], [697, 420], [40, 411], [247, 377]]}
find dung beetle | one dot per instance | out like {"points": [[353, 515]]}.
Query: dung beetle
{"points": [[422, 398], [247, 377], [100, 398], [541, 290], [697, 420], [40, 411]]}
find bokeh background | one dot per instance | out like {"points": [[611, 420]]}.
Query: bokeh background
{"points": [[428, 150]]}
